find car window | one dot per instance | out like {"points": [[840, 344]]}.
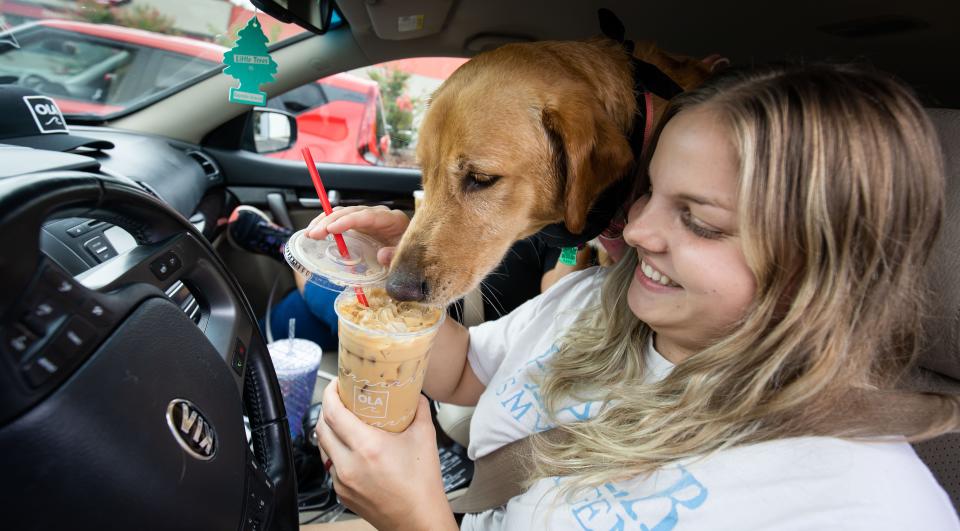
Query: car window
{"points": [[367, 116], [100, 57], [59, 64], [173, 69]]}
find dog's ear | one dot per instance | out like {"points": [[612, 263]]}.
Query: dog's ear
{"points": [[590, 153]]}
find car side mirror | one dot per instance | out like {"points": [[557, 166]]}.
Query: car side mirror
{"points": [[269, 131]]}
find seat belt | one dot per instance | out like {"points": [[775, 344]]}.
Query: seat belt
{"points": [[500, 475]]}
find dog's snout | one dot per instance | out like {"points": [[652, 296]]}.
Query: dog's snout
{"points": [[407, 286]]}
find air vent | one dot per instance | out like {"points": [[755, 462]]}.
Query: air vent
{"points": [[209, 167], [188, 303], [149, 189]]}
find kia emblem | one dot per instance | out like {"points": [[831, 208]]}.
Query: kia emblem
{"points": [[191, 429]]}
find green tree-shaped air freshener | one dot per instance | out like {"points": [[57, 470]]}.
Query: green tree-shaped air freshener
{"points": [[250, 63]]}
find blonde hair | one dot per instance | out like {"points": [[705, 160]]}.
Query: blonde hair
{"points": [[840, 198]]}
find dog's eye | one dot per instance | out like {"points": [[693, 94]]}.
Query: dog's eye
{"points": [[474, 181]]}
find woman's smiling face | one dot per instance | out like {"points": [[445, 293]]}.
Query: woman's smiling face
{"points": [[693, 282]]}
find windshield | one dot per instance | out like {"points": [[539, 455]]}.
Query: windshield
{"points": [[101, 57]]}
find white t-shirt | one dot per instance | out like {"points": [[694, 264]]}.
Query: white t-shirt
{"points": [[788, 484]]}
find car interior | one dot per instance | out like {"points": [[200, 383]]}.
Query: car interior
{"points": [[126, 247]]}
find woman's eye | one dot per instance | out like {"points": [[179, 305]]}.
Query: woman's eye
{"points": [[697, 229], [474, 181]]}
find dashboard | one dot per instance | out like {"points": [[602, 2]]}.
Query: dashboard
{"points": [[180, 174]]}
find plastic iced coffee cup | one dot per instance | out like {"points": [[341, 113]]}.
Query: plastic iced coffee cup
{"points": [[320, 262], [383, 356]]}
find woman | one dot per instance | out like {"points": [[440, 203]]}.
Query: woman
{"points": [[736, 370]]}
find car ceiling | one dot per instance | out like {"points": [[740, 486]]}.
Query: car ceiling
{"points": [[923, 51], [747, 32]]}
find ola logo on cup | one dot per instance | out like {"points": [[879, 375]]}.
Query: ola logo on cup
{"points": [[372, 404]]}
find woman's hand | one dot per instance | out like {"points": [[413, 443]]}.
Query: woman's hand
{"points": [[380, 222], [392, 480]]}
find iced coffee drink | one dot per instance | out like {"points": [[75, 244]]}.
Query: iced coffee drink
{"points": [[383, 356]]}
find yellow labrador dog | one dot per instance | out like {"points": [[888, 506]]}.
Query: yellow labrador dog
{"points": [[519, 138]]}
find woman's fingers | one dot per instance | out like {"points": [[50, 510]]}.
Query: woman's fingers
{"points": [[323, 219], [379, 221], [330, 443], [349, 429]]}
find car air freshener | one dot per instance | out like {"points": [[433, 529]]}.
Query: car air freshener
{"points": [[250, 63]]}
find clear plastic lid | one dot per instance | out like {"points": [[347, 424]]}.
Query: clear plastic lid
{"points": [[319, 261]]}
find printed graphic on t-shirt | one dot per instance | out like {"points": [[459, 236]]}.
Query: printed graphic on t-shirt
{"points": [[520, 397], [613, 506]]}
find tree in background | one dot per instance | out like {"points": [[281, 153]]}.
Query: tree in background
{"points": [[95, 12], [140, 16], [147, 18], [397, 105]]}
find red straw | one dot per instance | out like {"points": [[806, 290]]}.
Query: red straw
{"points": [[322, 193]]}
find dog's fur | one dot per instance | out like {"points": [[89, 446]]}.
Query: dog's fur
{"points": [[547, 125]]}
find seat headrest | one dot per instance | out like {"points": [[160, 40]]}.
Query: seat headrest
{"points": [[942, 352]]}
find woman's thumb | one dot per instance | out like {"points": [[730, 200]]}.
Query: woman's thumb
{"points": [[423, 416]]}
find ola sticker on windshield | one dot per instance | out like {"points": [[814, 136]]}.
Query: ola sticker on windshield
{"points": [[250, 63]]}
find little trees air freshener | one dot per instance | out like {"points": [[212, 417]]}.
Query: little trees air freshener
{"points": [[250, 63]]}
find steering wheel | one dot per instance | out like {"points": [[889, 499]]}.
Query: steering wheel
{"points": [[43, 85], [117, 410]]}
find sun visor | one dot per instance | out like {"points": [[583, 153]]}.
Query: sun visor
{"points": [[396, 20]]}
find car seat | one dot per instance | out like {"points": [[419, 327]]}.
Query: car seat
{"points": [[939, 366]]}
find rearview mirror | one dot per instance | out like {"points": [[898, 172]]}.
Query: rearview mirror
{"points": [[317, 16], [270, 130]]}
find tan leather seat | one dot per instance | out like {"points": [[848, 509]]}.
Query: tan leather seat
{"points": [[939, 366]]}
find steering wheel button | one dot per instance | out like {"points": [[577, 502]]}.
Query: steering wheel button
{"points": [[239, 358], [60, 282], [41, 314], [161, 269], [40, 371], [80, 229], [75, 338], [19, 340], [95, 311], [100, 248]]}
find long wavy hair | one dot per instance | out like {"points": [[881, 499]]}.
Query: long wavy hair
{"points": [[840, 196]]}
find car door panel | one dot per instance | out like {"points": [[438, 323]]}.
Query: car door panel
{"points": [[251, 178]]}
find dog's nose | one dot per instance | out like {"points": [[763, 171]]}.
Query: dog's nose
{"points": [[407, 286]]}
